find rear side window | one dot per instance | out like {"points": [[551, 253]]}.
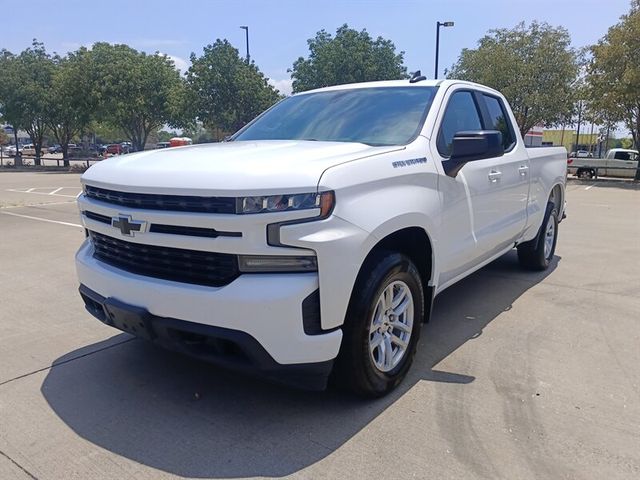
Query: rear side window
{"points": [[461, 115], [499, 120], [623, 156]]}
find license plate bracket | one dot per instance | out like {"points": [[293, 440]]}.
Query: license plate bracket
{"points": [[129, 318]]}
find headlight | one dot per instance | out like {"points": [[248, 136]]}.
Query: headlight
{"points": [[277, 263], [280, 203]]}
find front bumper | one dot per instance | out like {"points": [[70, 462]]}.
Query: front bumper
{"points": [[232, 349], [265, 307]]}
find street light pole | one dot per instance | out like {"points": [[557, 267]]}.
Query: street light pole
{"points": [[438, 25], [246, 30]]}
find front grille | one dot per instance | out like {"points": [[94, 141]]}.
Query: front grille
{"points": [[97, 217], [178, 265], [152, 201], [170, 229], [191, 231]]}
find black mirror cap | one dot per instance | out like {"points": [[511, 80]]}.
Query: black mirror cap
{"points": [[473, 145]]}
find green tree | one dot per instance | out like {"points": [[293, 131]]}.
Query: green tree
{"points": [[135, 91], [106, 133], [349, 57], [223, 90], [164, 136], [25, 91], [71, 108], [613, 76], [533, 66]]}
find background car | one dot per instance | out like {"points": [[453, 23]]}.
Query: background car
{"points": [[74, 150], [113, 149], [55, 149], [28, 149], [9, 150]]}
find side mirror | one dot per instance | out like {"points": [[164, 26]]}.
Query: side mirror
{"points": [[471, 146]]}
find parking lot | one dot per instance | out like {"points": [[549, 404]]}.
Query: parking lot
{"points": [[519, 375]]}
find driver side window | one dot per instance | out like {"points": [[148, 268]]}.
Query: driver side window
{"points": [[461, 114]]}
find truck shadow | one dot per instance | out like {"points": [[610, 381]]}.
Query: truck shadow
{"points": [[188, 418]]}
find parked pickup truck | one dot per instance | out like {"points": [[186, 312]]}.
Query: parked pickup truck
{"points": [[314, 241], [618, 162]]}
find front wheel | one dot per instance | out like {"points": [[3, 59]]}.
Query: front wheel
{"points": [[382, 326], [538, 253]]}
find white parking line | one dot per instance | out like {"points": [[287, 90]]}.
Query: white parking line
{"points": [[590, 186], [56, 191], [42, 219], [46, 204], [44, 193]]}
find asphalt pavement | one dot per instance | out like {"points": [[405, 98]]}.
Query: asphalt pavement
{"points": [[519, 375]]}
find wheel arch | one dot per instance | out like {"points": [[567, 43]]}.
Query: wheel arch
{"points": [[557, 196], [415, 243]]}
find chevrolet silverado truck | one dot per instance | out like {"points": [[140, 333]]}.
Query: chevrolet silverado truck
{"points": [[311, 245]]}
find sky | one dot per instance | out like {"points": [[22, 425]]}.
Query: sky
{"points": [[279, 29]]}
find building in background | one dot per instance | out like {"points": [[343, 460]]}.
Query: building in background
{"points": [[23, 137], [567, 139], [533, 138]]}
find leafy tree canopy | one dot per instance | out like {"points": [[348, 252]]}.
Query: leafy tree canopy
{"points": [[223, 90], [349, 57], [533, 66], [25, 83], [613, 75], [70, 109], [134, 91]]}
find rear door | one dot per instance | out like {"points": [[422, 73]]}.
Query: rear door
{"points": [[484, 206], [511, 196]]}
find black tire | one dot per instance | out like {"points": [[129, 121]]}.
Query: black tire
{"points": [[585, 173], [355, 369], [532, 254]]}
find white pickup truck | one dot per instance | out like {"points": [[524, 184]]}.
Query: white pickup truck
{"points": [[314, 241], [618, 162]]}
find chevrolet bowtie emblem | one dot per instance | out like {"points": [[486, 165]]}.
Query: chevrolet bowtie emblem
{"points": [[127, 226]]}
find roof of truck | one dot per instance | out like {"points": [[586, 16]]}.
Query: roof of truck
{"points": [[396, 83]]}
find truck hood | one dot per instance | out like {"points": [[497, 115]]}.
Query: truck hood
{"points": [[229, 169]]}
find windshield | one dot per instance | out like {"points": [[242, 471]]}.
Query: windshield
{"points": [[375, 116]]}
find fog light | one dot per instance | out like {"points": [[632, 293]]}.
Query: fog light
{"points": [[277, 263]]}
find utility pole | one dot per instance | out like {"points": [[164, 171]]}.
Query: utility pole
{"points": [[246, 31], [438, 25], [578, 129]]}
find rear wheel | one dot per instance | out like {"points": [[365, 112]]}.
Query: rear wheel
{"points": [[585, 173], [538, 253], [382, 326]]}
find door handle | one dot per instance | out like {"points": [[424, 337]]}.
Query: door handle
{"points": [[494, 175], [523, 170]]}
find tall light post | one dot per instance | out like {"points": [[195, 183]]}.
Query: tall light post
{"points": [[438, 25], [246, 30]]}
